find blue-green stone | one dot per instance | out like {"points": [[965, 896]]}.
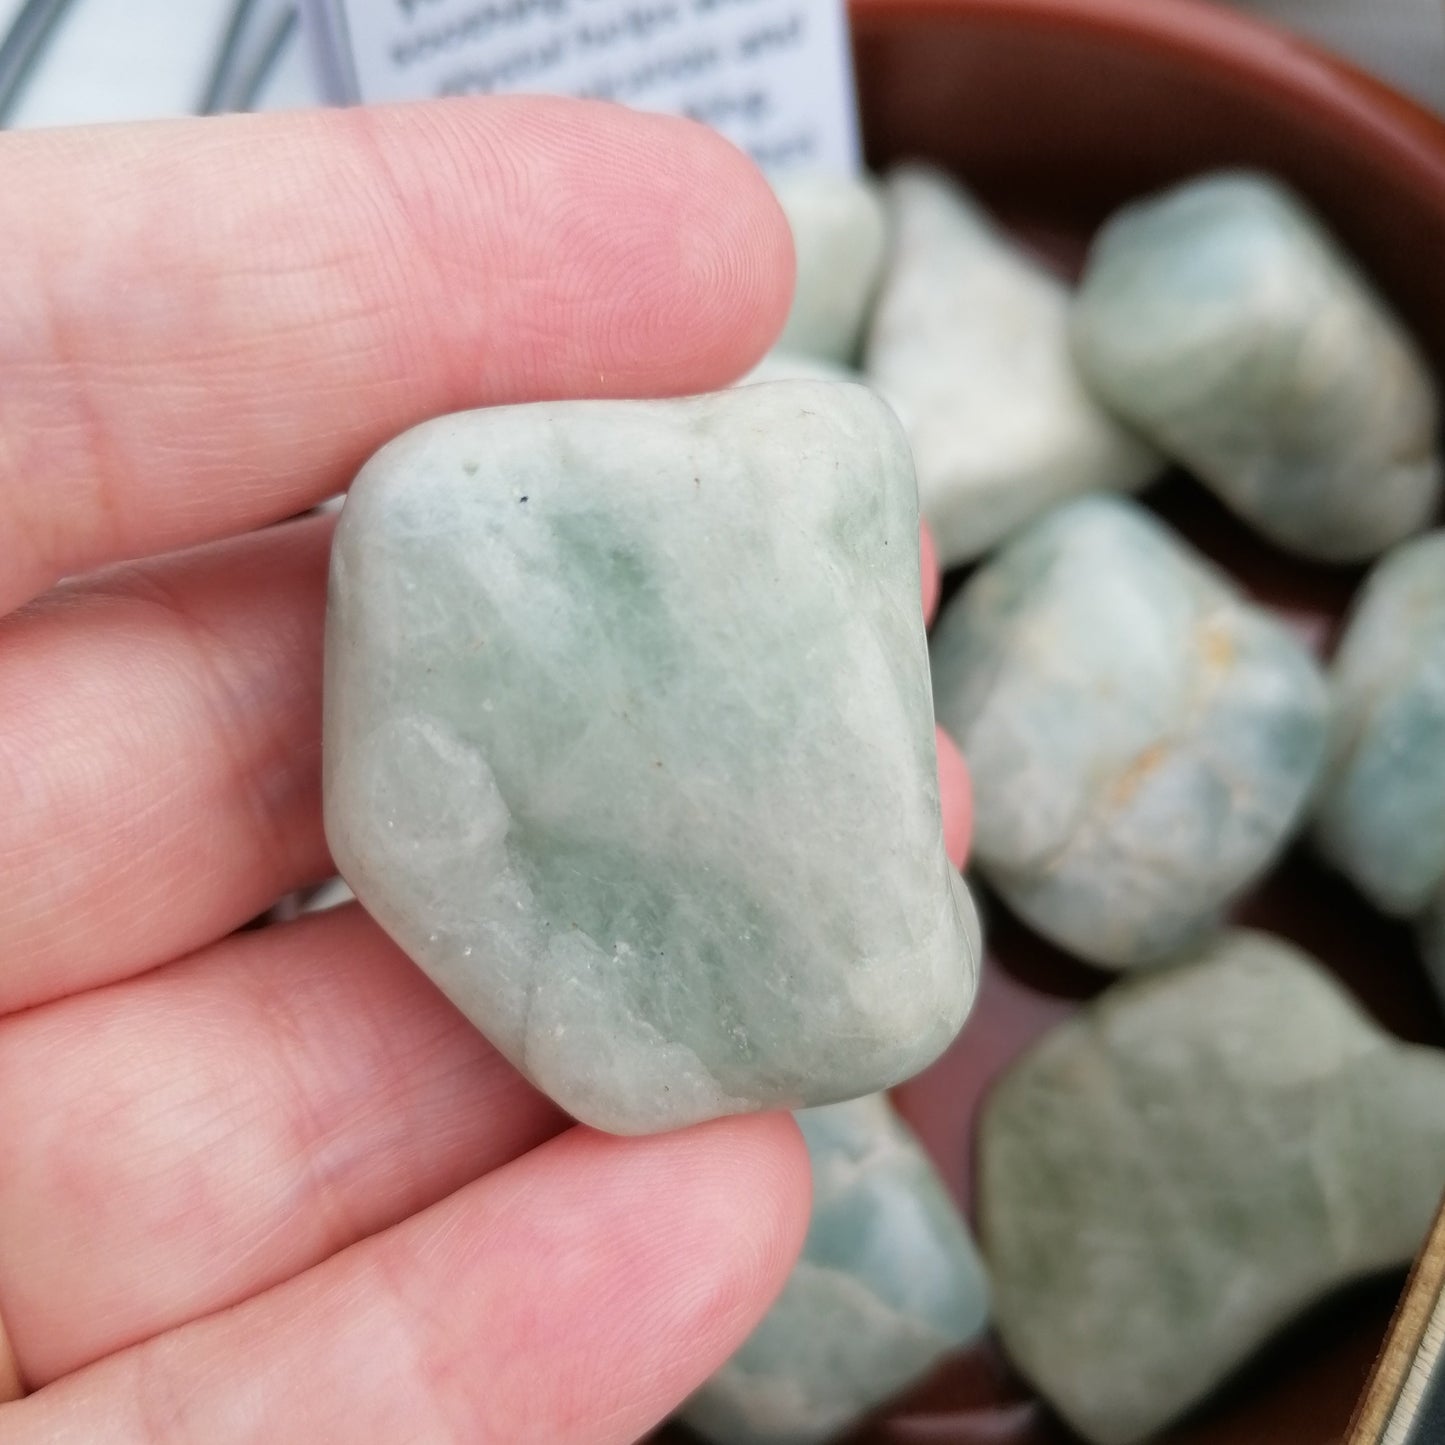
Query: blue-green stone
{"points": [[888, 1283], [1142, 739], [1223, 321], [779, 365], [1174, 1174], [1381, 818], [629, 744], [969, 342], [840, 234]]}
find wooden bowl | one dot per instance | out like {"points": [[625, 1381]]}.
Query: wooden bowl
{"points": [[1055, 112], [1058, 111]]}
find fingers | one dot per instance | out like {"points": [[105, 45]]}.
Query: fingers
{"points": [[209, 325], [956, 790], [573, 1298], [928, 569], [954, 786], [159, 758], [183, 1142], [10, 1384]]}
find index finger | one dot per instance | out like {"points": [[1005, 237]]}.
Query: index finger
{"points": [[208, 325]]}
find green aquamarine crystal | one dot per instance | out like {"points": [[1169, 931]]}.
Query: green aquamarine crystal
{"points": [[970, 343], [840, 234], [1382, 815], [1223, 321], [1143, 740], [629, 744], [1173, 1175], [889, 1282]]}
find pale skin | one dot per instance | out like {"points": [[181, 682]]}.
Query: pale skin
{"points": [[269, 1186]]}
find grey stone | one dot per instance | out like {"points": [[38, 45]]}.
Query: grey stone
{"points": [[1170, 1177], [969, 340], [1381, 817], [628, 743], [1223, 321], [840, 236], [1142, 739], [889, 1282]]}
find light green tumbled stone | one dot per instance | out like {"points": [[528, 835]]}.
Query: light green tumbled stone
{"points": [[840, 234], [1142, 739], [1223, 321], [889, 1282], [628, 743], [1173, 1175], [969, 340], [1382, 814], [780, 365]]}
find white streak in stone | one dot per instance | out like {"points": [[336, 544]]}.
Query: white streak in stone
{"points": [[969, 341]]}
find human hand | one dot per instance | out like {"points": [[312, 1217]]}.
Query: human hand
{"points": [[269, 1186]]}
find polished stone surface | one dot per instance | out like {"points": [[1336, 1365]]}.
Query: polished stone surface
{"points": [[840, 235], [779, 365], [1142, 739], [1223, 321], [1381, 817], [1169, 1177], [969, 340], [629, 744], [888, 1283]]}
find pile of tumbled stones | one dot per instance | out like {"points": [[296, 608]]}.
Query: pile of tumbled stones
{"points": [[629, 744]]}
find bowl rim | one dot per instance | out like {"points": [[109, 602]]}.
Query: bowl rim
{"points": [[1299, 73]]}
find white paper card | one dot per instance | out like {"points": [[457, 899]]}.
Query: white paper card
{"points": [[775, 76]]}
